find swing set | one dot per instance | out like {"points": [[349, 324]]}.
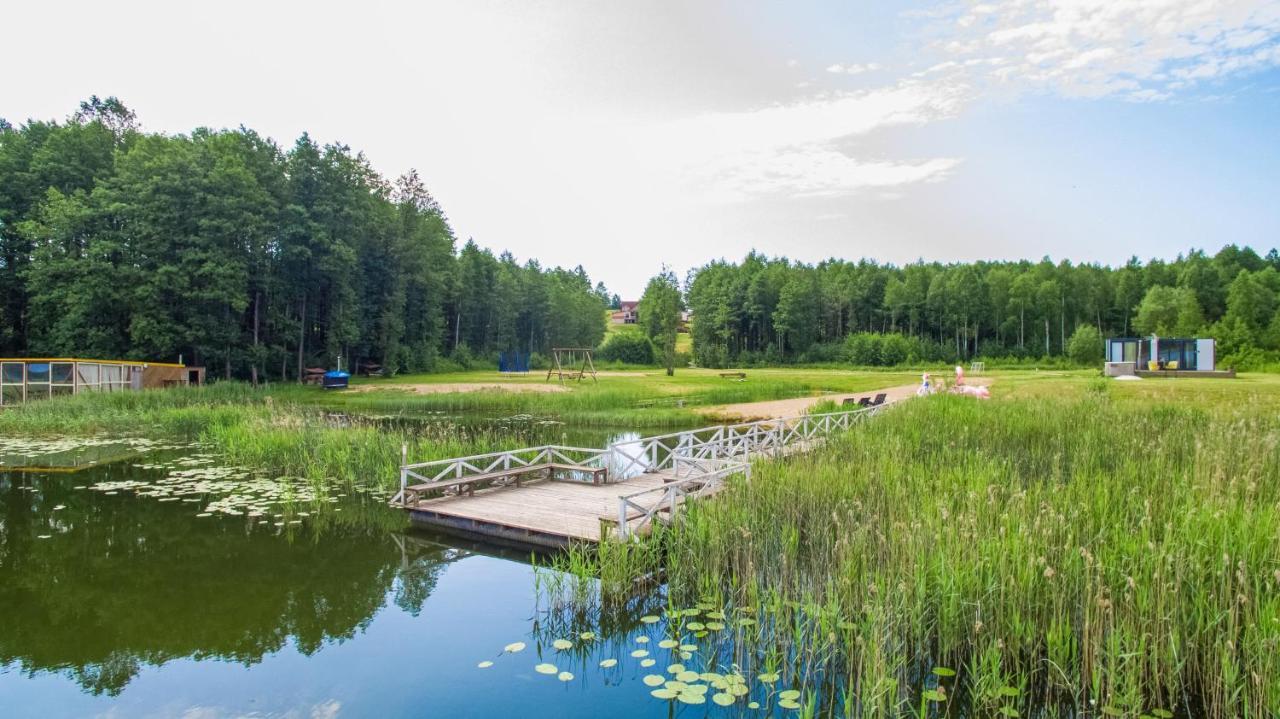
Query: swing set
{"points": [[571, 363]]}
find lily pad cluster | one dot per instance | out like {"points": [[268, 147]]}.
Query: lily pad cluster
{"points": [[26, 451], [681, 681], [224, 490]]}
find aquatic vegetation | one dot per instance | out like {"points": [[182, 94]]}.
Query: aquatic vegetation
{"points": [[229, 490], [1092, 555]]}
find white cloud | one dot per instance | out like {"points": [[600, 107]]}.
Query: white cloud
{"points": [[793, 150], [853, 68], [1140, 50]]}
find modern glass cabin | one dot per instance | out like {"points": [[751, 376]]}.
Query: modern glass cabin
{"points": [[1162, 353], [23, 379]]}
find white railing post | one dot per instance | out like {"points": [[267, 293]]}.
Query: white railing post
{"points": [[404, 472]]}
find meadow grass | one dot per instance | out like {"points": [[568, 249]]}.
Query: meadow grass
{"points": [[1098, 549], [633, 399]]}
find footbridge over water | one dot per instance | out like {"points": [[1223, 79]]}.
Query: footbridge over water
{"points": [[554, 495]]}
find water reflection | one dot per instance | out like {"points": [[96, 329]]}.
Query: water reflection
{"points": [[128, 605], [96, 586]]}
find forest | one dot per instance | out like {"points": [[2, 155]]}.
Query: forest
{"points": [[224, 249], [221, 248], [769, 310]]}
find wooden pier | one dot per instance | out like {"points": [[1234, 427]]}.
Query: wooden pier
{"points": [[553, 496]]}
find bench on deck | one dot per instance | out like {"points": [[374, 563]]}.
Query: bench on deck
{"points": [[500, 478]]}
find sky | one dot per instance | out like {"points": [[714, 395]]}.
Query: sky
{"points": [[625, 136]]}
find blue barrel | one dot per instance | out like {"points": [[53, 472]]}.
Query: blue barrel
{"points": [[336, 379]]}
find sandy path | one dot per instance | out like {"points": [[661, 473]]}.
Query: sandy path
{"points": [[751, 411], [444, 387]]}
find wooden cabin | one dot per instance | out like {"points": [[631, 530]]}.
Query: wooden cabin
{"points": [[28, 378]]}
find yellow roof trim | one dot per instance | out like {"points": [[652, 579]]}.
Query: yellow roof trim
{"points": [[132, 363]]}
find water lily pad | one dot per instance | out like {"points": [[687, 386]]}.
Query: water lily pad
{"points": [[649, 619], [639, 653], [668, 644], [587, 636], [696, 626], [562, 644], [654, 680], [715, 615], [665, 693], [768, 677], [688, 647], [944, 672], [485, 664], [606, 663], [675, 668], [715, 626], [513, 647], [642, 640], [565, 676], [675, 686], [648, 662], [788, 703], [746, 622], [545, 668], [723, 699], [688, 676], [792, 694], [753, 705], [686, 656], [692, 698]]}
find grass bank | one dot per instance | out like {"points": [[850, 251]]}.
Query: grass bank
{"points": [[1099, 553]]}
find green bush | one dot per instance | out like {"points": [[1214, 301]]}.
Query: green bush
{"points": [[1085, 345], [629, 348]]}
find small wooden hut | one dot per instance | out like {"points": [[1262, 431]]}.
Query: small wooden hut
{"points": [[28, 378]]}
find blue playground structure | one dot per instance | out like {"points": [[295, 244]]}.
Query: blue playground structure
{"points": [[513, 361]]}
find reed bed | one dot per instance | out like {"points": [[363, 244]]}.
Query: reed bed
{"points": [[1044, 557]]}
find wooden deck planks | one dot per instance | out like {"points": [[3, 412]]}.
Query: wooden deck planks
{"points": [[570, 510]]}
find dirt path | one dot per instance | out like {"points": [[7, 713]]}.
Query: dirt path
{"points": [[751, 411], [444, 387]]}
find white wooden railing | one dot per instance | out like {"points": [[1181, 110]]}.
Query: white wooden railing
{"points": [[700, 459], [674, 451], [641, 509], [482, 464]]}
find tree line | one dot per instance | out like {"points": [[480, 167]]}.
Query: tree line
{"points": [[771, 310], [224, 249]]}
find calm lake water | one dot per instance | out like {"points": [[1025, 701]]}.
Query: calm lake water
{"points": [[127, 602]]}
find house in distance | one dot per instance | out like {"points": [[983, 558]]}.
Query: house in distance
{"points": [[1163, 357]]}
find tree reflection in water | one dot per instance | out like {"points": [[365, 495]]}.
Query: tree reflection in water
{"points": [[124, 582]]}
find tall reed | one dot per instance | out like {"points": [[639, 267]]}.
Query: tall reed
{"points": [[1100, 557]]}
